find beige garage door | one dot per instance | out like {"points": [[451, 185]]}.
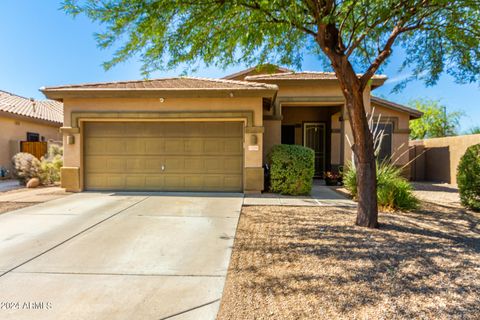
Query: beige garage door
{"points": [[163, 156]]}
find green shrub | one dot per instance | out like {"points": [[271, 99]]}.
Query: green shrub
{"points": [[26, 166], [291, 169], [468, 178], [393, 191], [50, 165]]}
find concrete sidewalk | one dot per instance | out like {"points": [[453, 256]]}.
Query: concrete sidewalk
{"points": [[320, 196], [118, 256]]}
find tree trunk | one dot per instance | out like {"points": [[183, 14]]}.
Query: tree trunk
{"points": [[367, 211], [363, 149]]}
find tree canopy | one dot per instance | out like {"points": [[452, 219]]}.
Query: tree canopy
{"points": [[356, 37], [435, 122], [437, 36]]}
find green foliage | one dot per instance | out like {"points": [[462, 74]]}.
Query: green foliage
{"points": [[474, 130], [393, 191], [291, 169], [51, 165], [26, 166], [468, 178], [435, 122], [170, 33]]}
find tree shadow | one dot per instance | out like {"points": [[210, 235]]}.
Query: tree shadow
{"points": [[413, 260]]}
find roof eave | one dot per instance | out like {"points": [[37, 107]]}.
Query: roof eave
{"points": [[375, 83], [60, 94], [18, 116], [414, 114], [378, 82]]}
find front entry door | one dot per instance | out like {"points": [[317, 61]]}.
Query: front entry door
{"points": [[314, 137]]}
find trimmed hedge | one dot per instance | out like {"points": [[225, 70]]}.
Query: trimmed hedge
{"points": [[468, 178], [291, 169]]}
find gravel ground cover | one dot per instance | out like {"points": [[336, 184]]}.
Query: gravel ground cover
{"points": [[10, 206], [313, 263]]}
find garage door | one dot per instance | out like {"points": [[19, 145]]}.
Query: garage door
{"points": [[163, 156]]}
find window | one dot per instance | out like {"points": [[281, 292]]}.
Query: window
{"points": [[288, 134], [386, 146], [33, 137]]}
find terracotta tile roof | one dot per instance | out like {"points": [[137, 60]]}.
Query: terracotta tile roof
{"points": [[414, 114], [302, 75], [256, 70], [176, 83], [47, 110]]}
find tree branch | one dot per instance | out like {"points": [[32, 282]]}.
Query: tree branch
{"points": [[256, 6]]}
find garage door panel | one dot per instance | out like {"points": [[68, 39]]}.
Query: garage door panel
{"points": [[233, 146], [173, 129], [174, 146], [193, 146], [102, 164], [133, 182], [154, 181], [99, 129], [233, 129], [196, 156], [153, 164], [95, 145], [135, 164], [113, 147], [154, 146], [194, 165], [135, 146]]}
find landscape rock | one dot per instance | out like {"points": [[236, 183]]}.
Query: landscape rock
{"points": [[33, 183]]}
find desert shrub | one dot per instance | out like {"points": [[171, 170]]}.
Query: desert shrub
{"points": [[26, 166], [51, 165], [291, 169], [393, 191], [468, 178], [54, 150]]}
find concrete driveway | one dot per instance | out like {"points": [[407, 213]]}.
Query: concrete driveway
{"points": [[117, 256]]}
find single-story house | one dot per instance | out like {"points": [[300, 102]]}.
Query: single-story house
{"points": [[23, 119], [201, 134]]}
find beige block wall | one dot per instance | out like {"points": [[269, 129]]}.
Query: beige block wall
{"points": [[272, 135], [442, 156], [318, 89], [14, 130], [253, 158]]}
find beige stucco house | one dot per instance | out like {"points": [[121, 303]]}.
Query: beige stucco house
{"points": [[198, 134], [23, 119]]}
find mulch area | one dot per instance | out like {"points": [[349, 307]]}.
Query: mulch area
{"points": [[313, 263]]}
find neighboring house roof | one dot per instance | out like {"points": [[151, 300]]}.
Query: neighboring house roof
{"points": [[414, 114], [260, 69], [307, 75], [43, 110], [176, 84]]}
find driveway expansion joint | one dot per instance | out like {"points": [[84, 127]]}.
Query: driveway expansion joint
{"points": [[191, 309]]}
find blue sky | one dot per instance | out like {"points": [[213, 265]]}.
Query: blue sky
{"points": [[41, 46]]}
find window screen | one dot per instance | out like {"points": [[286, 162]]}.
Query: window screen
{"points": [[33, 137], [386, 146]]}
